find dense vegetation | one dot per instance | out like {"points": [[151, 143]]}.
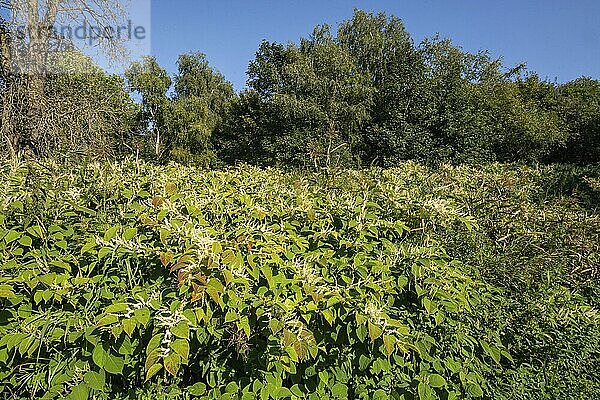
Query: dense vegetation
{"points": [[370, 228], [364, 95], [131, 280]]}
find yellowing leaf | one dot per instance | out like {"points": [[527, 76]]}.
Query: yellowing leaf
{"points": [[152, 359], [389, 342], [170, 188], [229, 258], [374, 331], [166, 258], [301, 348], [289, 338], [172, 363]]}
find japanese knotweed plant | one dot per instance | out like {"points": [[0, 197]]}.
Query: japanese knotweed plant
{"points": [[243, 283]]}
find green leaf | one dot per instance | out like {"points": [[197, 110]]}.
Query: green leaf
{"points": [[152, 358], [232, 387], [153, 370], [339, 391], [110, 233], [292, 353], [99, 356], [142, 315], [107, 320], [197, 389], [324, 377], [492, 351], [296, 391], [129, 234], [360, 319], [35, 231], [361, 333], [231, 316], [17, 205], [363, 362], [88, 246], [7, 293], [244, 325], [329, 316], [80, 392], [129, 325], [380, 395], [281, 393], [426, 392], [117, 308], [429, 305], [182, 348], [276, 326], [437, 381], [111, 364], [474, 390], [95, 380], [154, 343], [11, 236], [181, 330], [25, 241]]}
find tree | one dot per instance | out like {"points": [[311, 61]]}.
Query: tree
{"points": [[383, 50], [152, 83], [199, 102], [309, 102], [82, 121], [579, 109], [27, 57], [524, 117], [180, 124]]}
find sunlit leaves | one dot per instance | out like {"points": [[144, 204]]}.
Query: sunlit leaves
{"points": [[172, 363], [104, 359], [181, 330], [237, 277]]}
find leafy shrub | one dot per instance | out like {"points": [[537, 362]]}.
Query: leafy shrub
{"points": [[135, 281]]}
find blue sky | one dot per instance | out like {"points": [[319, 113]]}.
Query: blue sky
{"points": [[560, 39]]}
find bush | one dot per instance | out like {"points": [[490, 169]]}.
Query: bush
{"points": [[136, 281]]}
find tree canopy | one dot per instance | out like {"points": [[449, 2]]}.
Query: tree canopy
{"points": [[364, 93]]}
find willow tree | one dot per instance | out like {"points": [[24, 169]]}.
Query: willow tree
{"points": [[27, 42]]}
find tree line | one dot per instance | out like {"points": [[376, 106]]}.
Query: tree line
{"points": [[363, 94]]}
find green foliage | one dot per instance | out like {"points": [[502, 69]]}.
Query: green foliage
{"points": [[179, 127], [152, 83], [201, 96], [579, 107], [370, 96], [363, 94], [128, 280], [81, 121], [312, 102]]}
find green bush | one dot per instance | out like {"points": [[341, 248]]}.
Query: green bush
{"points": [[135, 281]]}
